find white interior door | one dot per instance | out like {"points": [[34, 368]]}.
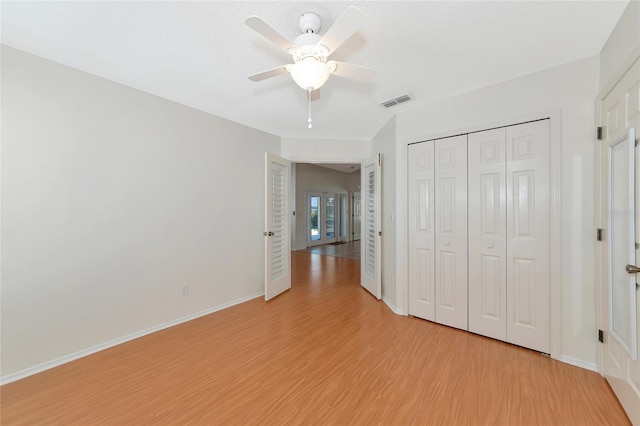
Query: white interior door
{"points": [[451, 231], [620, 117], [422, 291], [356, 215], [277, 276], [371, 274], [487, 234], [528, 216]]}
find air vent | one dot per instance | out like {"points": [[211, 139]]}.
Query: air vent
{"points": [[395, 101]]}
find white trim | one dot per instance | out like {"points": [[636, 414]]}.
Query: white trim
{"points": [[579, 363], [555, 235], [114, 342], [391, 306], [402, 274]]}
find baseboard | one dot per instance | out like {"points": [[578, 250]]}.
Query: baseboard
{"points": [[391, 306], [118, 341], [579, 363]]}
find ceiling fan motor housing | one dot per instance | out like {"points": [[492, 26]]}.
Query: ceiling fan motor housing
{"points": [[309, 22]]}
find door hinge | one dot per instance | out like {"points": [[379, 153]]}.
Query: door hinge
{"points": [[380, 233], [600, 336], [599, 233], [379, 159], [599, 133]]}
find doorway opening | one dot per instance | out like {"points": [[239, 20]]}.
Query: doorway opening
{"points": [[326, 204]]}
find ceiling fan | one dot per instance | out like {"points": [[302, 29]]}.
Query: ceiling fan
{"points": [[310, 68]]}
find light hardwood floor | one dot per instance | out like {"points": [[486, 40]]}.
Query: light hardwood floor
{"points": [[349, 250], [325, 352]]}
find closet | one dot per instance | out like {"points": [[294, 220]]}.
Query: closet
{"points": [[479, 214]]}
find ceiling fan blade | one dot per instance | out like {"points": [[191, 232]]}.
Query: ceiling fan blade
{"points": [[269, 73], [315, 95], [354, 72], [347, 24], [268, 32]]}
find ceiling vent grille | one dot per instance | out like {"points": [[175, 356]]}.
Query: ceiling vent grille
{"points": [[396, 101]]}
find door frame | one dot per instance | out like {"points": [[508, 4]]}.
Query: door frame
{"points": [[555, 223]]}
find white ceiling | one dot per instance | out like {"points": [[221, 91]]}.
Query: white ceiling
{"points": [[200, 53]]}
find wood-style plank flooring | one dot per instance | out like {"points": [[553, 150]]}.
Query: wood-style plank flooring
{"points": [[349, 250], [325, 352]]}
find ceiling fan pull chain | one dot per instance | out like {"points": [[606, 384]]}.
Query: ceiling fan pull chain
{"points": [[309, 96]]}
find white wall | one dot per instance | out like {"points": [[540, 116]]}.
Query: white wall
{"points": [[310, 177], [571, 89], [112, 199], [384, 142], [623, 42], [325, 150]]}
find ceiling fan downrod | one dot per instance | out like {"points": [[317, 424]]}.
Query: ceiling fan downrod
{"points": [[309, 90]]}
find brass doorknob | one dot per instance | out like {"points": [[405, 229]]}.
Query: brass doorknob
{"points": [[632, 269]]}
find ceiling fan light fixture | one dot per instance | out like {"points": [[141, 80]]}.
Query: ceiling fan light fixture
{"points": [[310, 73]]}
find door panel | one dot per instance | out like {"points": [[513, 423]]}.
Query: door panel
{"points": [[371, 274], [277, 226], [622, 291], [451, 231], [528, 214], [487, 234], [421, 230]]}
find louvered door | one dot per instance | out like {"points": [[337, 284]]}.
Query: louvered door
{"points": [[277, 277], [371, 274]]}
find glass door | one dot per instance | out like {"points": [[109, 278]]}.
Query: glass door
{"points": [[329, 218], [315, 218]]}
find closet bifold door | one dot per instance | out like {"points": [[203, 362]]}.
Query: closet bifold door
{"points": [[421, 200], [451, 231], [487, 234], [528, 217]]}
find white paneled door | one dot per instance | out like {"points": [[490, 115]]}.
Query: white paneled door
{"points": [[422, 291], [618, 216], [371, 228], [479, 220], [487, 234], [450, 164], [277, 274], [528, 216]]}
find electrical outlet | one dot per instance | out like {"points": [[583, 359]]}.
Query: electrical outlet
{"points": [[185, 289]]}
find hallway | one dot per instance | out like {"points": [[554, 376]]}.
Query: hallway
{"points": [[347, 250]]}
